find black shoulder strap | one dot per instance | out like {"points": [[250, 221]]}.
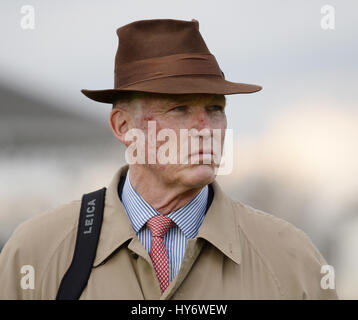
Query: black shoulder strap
{"points": [[88, 231]]}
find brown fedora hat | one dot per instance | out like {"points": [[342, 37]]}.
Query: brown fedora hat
{"points": [[166, 56]]}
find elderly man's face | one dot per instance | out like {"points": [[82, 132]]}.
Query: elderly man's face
{"points": [[196, 111]]}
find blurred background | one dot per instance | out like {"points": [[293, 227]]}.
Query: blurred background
{"points": [[296, 141]]}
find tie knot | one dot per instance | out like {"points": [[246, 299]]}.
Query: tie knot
{"points": [[159, 225]]}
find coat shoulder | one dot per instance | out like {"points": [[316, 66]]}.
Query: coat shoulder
{"points": [[45, 239], [285, 249], [260, 226], [51, 227]]}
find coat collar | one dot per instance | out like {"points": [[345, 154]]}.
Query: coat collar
{"points": [[219, 226]]}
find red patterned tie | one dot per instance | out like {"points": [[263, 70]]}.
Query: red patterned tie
{"points": [[159, 225]]}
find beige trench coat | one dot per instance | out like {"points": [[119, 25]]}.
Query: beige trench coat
{"points": [[239, 253]]}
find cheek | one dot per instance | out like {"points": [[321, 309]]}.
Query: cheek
{"points": [[165, 126], [219, 122], [223, 121], [144, 121]]}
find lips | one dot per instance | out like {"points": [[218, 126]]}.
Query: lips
{"points": [[203, 152], [202, 156], [198, 156]]}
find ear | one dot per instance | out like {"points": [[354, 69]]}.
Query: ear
{"points": [[119, 123]]}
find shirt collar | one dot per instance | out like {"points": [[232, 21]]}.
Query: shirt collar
{"points": [[219, 226], [188, 218]]}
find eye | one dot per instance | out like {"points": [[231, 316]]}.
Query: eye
{"points": [[215, 107], [179, 108]]}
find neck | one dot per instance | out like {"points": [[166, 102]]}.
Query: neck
{"points": [[163, 197]]}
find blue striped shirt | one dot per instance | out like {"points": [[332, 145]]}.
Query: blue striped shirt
{"points": [[187, 220]]}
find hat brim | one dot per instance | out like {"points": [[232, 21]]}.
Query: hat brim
{"points": [[175, 85]]}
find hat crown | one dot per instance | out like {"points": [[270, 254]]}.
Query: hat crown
{"points": [[147, 39], [165, 56]]}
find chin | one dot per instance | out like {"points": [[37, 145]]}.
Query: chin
{"points": [[198, 175]]}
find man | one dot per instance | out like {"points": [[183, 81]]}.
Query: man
{"points": [[168, 230]]}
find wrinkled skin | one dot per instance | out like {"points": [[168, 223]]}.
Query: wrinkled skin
{"points": [[170, 186]]}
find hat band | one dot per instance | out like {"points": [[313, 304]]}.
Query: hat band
{"points": [[167, 66]]}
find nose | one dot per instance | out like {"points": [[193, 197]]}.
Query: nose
{"points": [[201, 120]]}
